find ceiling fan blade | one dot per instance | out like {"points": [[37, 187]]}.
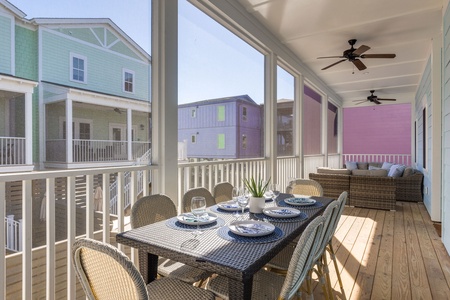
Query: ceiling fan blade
{"points": [[384, 99], [359, 64], [376, 101], [361, 102], [361, 50], [337, 56], [338, 62], [378, 56]]}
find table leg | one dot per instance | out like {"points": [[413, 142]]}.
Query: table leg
{"points": [[148, 266], [240, 290]]}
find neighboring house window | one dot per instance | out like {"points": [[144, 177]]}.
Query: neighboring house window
{"points": [[128, 81], [85, 131], [193, 113], [221, 113], [78, 67], [244, 113], [193, 139], [244, 141], [221, 141]]}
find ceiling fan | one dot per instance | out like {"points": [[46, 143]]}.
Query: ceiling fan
{"points": [[373, 98], [353, 55]]}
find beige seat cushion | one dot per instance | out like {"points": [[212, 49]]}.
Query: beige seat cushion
{"points": [[333, 171], [379, 173]]}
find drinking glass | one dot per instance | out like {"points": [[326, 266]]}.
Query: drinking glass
{"points": [[198, 208], [236, 193], [275, 188], [243, 200]]}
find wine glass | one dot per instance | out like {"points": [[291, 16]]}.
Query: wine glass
{"points": [[243, 200], [275, 188], [236, 193], [198, 208]]}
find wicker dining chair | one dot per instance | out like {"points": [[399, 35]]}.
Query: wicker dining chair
{"points": [[307, 187], [154, 208], [268, 285], [200, 191], [280, 263], [223, 191], [107, 273]]}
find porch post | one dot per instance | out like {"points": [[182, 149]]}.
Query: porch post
{"points": [[270, 115], [325, 129], [69, 130], [129, 136], [298, 125], [28, 129], [165, 96]]}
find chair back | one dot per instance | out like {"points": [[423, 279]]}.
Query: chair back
{"points": [[200, 191], [341, 200], [151, 209], [105, 272], [330, 215], [223, 192], [305, 187], [302, 258]]}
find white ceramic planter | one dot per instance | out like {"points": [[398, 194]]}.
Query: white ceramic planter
{"points": [[256, 204]]}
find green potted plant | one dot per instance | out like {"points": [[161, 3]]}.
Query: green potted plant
{"points": [[256, 188]]}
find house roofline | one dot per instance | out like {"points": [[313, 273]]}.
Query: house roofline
{"points": [[244, 98], [13, 9]]}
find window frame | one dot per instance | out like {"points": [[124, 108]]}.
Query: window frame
{"points": [[193, 139], [81, 57], [124, 82]]}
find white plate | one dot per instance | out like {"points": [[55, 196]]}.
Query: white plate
{"points": [[300, 201], [229, 205], [190, 219], [281, 212], [251, 228]]}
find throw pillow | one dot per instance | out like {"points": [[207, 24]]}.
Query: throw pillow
{"points": [[363, 165], [333, 171], [351, 165], [387, 165], [408, 172], [396, 170]]}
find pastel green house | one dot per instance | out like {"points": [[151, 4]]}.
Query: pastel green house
{"points": [[87, 96]]}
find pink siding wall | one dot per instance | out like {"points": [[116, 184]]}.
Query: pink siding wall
{"points": [[380, 129]]}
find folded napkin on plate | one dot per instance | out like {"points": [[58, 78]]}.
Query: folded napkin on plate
{"points": [[189, 217], [302, 200], [282, 211], [251, 228]]}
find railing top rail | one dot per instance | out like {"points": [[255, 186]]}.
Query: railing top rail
{"points": [[67, 173], [219, 162]]}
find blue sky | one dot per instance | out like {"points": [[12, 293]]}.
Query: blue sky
{"points": [[213, 62]]}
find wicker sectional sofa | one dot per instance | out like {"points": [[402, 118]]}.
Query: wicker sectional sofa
{"points": [[370, 189]]}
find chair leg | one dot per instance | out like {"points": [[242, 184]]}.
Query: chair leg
{"points": [[327, 278], [333, 258]]}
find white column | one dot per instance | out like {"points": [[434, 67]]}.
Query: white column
{"points": [[325, 129], [69, 130], [129, 135], [165, 95], [28, 129], [270, 115], [298, 124]]}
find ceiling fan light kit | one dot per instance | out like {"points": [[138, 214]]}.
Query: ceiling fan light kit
{"points": [[353, 55]]}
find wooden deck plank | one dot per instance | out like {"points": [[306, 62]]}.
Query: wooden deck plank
{"points": [[382, 286], [420, 288], [401, 288], [438, 285], [364, 281]]}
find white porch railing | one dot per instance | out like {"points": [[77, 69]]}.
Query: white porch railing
{"points": [[12, 151], [13, 233], [59, 229], [94, 150], [311, 162], [404, 159], [113, 190]]}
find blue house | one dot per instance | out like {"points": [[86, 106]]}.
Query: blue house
{"points": [[229, 127]]}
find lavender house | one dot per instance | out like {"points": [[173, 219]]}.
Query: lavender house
{"points": [[228, 127]]}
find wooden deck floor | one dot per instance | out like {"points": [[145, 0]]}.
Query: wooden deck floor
{"points": [[390, 255]]}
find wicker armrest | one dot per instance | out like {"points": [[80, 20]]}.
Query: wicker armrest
{"points": [[409, 188], [373, 192], [333, 184]]}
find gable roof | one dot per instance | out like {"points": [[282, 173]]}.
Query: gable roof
{"points": [[17, 12], [105, 22], [243, 98]]}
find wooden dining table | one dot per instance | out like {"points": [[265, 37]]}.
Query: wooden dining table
{"points": [[216, 250]]}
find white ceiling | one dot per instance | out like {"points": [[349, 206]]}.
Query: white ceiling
{"points": [[313, 28]]}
